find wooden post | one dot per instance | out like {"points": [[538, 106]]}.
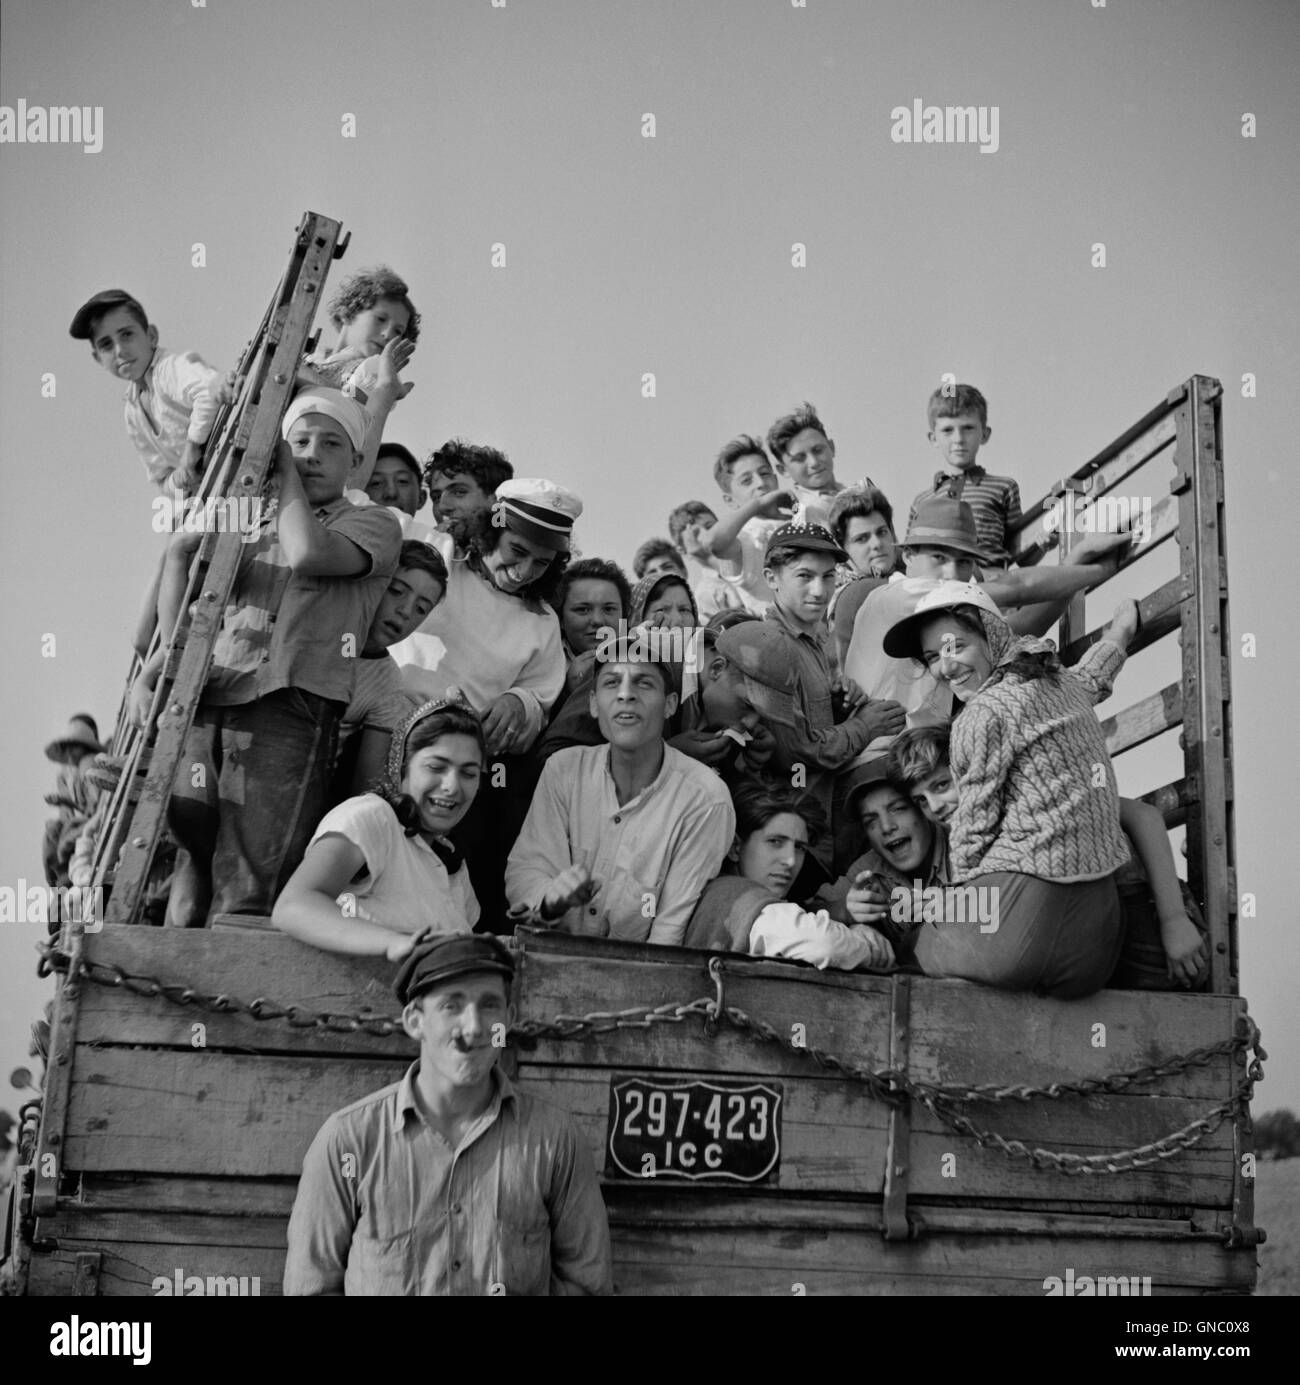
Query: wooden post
{"points": [[894, 1222], [1211, 850], [58, 1078], [1074, 619]]}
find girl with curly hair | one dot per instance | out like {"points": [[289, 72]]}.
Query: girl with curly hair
{"points": [[378, 328]]}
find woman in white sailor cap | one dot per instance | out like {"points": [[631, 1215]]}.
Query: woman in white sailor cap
{"points": [[495, 637]]}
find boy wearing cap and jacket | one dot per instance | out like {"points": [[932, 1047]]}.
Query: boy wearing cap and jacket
{"points": [[172, 397], [788, 652], [252, 778], [452, 1181]]}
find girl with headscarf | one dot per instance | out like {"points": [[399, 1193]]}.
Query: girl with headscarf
{"points": [[381, 869], [1036, 832]]}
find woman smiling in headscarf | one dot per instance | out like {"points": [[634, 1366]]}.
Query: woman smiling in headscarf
{"points": [[1036, 829], [380, 869]]}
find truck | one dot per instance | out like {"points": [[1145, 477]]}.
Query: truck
{"points": [[758, 1126]]}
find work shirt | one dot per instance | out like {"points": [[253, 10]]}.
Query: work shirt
{"points": [[814, 507], [285, 631], [386, 1206], [652, 856], [168, 407], [816, 741]]}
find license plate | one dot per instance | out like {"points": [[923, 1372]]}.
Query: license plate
{"points": [[702, 1131]]}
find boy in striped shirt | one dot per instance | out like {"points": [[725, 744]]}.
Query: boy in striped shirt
{"points": [[958, 418]]}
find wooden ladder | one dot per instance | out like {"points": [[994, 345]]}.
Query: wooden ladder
{"points": [[239, 459]]}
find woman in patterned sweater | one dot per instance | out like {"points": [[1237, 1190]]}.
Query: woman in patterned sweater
{"points": [[1036, 831]]}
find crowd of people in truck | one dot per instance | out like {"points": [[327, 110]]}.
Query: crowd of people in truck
{"points": [[788, 732], [796, 736]]}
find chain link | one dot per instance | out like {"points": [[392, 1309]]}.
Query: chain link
{"points": [[888, 1086]]}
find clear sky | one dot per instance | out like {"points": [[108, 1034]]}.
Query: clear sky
{"points": [[522, 124]]}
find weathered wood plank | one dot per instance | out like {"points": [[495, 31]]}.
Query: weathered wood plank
{"points": [[164, 1228], [129, 1269], [746, 1260], [632, 1205], [750, 1262], [962, 1032], [244, 965], [1144, 720], [1175, 802], [834, 1141], [246, 1197], [1106, 471], [167, 1111], [849, 1017], [1161, 613], [756, 1245]]}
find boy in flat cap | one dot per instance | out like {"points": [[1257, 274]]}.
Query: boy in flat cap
{"points": [[826, 720], [172, 397], [451, 1181]]}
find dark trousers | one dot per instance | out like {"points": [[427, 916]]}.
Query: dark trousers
{"points": [[1056, 939], [249, 791], [489, 830]]}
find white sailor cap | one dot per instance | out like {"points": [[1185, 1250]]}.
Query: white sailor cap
{"points": [[537, 510]]}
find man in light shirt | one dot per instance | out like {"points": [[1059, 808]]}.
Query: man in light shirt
{"points": [[622, 838]]}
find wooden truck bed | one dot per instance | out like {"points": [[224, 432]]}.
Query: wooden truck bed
{"points": [[185, 1129]]}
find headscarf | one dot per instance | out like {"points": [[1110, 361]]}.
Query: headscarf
{"points": [[1007, 648], [391, 787], [648, 588]]}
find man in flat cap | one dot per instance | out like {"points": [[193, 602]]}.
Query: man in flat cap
{"points": [[451, 1181]]}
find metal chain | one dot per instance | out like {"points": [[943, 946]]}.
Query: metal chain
{"points": [[888, 1086]]}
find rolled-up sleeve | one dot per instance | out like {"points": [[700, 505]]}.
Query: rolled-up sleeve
{"points": [[374, 530]]}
